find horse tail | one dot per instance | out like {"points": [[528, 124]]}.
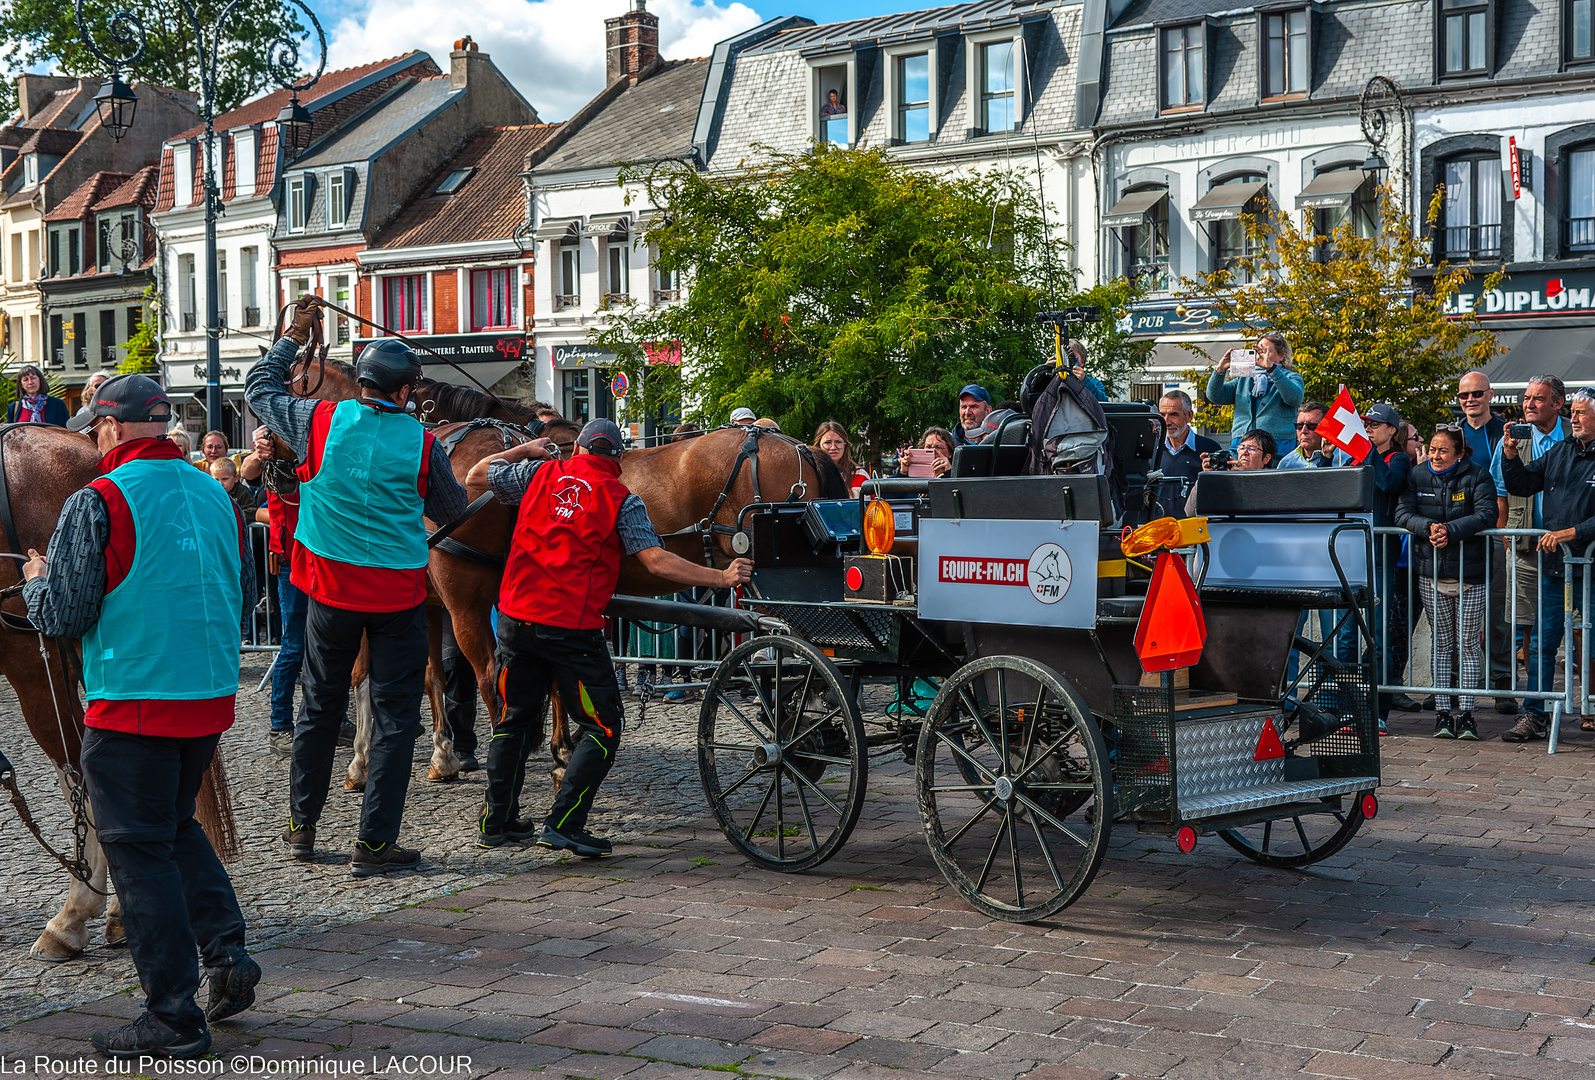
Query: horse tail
{"points": [[213, 807], [832, 484]]}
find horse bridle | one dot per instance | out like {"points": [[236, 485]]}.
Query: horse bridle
{"points": [[709, 527]]}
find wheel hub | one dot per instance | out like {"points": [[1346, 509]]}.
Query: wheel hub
{"points": [[1004, 788], [767, 755]]}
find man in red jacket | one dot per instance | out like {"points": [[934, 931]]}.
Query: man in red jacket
{"points": [[576, 520], [150, 565]]}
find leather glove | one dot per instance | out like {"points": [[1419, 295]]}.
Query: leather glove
{"points": [[307, 317]]}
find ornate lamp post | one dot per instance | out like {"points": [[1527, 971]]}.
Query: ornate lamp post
{"points": [[1382, 105], [117, 105]]}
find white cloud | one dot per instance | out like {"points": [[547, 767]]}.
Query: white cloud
{"points": [[552, 50]]}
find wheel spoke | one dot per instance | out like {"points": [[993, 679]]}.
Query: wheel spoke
{"points": [[1046, 853], [962, 787], [958, 750], [1045, 754], [1035, 723], [806, 732], [808, 755], [803, 804], [775, 693], [991, 856], [749, 775], [765, 708], [1049, 819], [763, 803], [974, 715], [1002, 719], [780, 817], [966, 826], [729, 704], [731, 746], [1306, 844], [799, 778], [1013, 853]]}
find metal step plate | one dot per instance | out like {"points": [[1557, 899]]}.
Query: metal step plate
{"points": [[1274, 794]]}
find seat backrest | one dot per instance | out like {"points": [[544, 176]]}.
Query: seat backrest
{"points": [[1054, 498], [1290, 493]]}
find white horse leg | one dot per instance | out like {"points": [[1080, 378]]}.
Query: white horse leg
{"points": [[363, 721], [67, 935], [445, 764]]}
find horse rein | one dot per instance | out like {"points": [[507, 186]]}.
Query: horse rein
{"points": [[709, 528]]}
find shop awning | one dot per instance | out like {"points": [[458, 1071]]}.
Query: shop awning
{"points": [[647, 219], [1331, 189], [1568, 352], [487, 372], [609, 226], [1134, 209], [557, 229], [1226, 202]]}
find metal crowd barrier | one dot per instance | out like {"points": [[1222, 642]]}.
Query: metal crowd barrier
{"points": [[683, 649], [1506, 571], [263, 630]]}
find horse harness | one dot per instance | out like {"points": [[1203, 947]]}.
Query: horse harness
{"points": [[512, 435], [709, 527]]}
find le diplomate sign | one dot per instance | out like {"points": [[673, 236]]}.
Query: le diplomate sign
{"points": [[1540, 294]]}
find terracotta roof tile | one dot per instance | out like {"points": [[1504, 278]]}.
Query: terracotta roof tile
{"points": [[265, 109], [78, 205], [266, 158], [489, 205], [139, 190], [165, 197]]}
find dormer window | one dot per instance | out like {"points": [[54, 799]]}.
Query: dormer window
{"points": [[298, 203], [997, 112], [834, 122], [1466, 37], [1287, 69], [337, 199], [1578, 44], [913, 97], [1183, 75], [30, 170]]}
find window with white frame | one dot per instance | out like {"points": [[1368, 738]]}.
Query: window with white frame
{"points": [[1465, 36], [404, 304], [1581, 200], [493, 299], [1286, 65], [998, 108], [342, 295], [1183, 75], [619, 278], [298, 203], [186, 292], [221, 288], [337, 199], [30, 170], [568, 276], [667, 283], [831, 82], [913, 97], [1472, 207]]}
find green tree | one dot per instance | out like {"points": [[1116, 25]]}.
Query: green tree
{"points": [[1352, 309], [37, 33], [1112, 355], [841, 284], [141, 346]]}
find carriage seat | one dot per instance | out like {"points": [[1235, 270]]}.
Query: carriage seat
{"points": [[1005, 453], [1054, 498], [1292, 493]]}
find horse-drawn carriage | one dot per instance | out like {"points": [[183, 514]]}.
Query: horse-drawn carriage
{"points": [[1046, 729]]}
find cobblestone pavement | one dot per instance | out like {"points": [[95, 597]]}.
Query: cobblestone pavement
{"points": [[1453, 938]]}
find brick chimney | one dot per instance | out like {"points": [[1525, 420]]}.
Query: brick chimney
{"points": [[631, 43], [461, 58]]}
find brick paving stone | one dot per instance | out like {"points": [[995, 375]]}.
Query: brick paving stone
{"points": [[685, 1050]]}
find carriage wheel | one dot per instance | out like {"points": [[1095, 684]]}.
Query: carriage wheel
{"points": [[1300, 839], [781, 753], [1014, 788]]}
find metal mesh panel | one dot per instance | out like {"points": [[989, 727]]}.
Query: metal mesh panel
{"points": [[1347, 691], [1142, 772], [855, 631]]}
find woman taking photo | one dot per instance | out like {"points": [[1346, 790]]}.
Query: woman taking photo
{"points": [[31, 402], [937, 440], [830, 438], [1266, 397], [1450, 499]]}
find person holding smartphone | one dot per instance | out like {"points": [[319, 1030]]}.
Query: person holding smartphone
{"points": [[1268, 398]]}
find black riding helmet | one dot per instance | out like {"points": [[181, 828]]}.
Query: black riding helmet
{"points": [[1035, 383], [388, 364]]}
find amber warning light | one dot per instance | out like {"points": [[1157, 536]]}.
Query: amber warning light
{"points": [[880, 527]]}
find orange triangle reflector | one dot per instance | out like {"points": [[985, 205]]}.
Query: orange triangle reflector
{"points": [[1268, 744], [1172, 631]]}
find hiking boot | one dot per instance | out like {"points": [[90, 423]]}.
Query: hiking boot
{"points": [[369, 859], [1443, 725], [1466, 729], [1528, 728], [584, 844], [1506, 706], [232, 989], [515, 832], [1428, 703], [301, 841], [346, 733], [148, 1036], [281, 743], [1406, 703], [468, 763]]}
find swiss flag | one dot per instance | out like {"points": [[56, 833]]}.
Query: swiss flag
{"points": [[1343, 427]]}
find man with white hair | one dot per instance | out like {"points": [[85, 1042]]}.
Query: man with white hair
{"points": [[89, 387]]}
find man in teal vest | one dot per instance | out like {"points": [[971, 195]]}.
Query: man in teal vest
{"points": [[150, 565], [368, 471]]}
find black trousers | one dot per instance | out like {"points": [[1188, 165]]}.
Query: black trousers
{"points": [[459, 693], [398, 677], [174, 892], [530, 657]]}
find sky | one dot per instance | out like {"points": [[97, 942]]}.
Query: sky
{"points": [[553, 50]]}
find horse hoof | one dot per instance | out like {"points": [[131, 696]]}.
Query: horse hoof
{"points": [[354, 785], [436, 777], [115, 935], [52, 950]]}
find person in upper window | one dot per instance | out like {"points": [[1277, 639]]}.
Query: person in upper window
{"points": [[32, 403], [833, 105], [1268, 400], [830, 439]]}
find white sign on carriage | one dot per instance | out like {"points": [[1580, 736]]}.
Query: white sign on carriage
{"points": [[1028, 573]]}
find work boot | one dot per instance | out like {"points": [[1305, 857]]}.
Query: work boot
{"points": [[1442, 725], [346, 733], [515, 832], [369, 859], [1405, 703], [468, 763], [149, 1036], [301, 841], [1466, 729], [232, 989], [584, 844], [1506, 706], [1529, 728], [281, 743]]}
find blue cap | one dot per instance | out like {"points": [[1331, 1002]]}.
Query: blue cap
{"points": [[975, 391]]}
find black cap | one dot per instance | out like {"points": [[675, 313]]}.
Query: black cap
{"points": [[132, 399], [601, 437]]}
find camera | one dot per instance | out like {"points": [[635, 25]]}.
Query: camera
{"points": [[1521, 432], [1221, 460]]}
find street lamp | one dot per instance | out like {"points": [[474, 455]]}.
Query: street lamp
{"points": [[1380, 105], [295, 124], [117, 104]]}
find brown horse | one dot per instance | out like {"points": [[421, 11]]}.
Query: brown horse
{"points": [[49, 464]]}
